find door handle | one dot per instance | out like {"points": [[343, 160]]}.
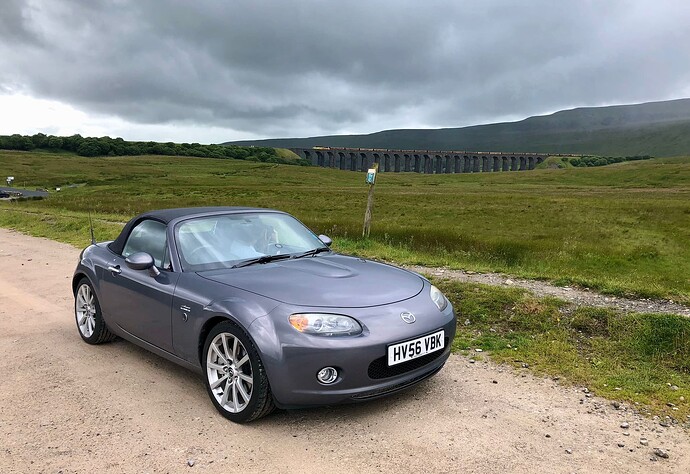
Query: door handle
{"points": [[115, 270]]}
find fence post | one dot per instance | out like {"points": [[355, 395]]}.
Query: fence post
{"points": [[371, 179]]}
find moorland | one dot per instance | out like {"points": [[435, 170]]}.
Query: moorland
{"points": [[618, 229]]}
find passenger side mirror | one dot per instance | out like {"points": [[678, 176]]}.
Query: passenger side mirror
{"points": [[326, 240], [142, 261]]}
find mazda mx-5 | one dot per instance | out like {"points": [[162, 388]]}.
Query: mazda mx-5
{"points": [[262, 308]]}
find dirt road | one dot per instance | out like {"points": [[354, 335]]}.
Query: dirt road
{"points": [[68, 407], [575, 296]]}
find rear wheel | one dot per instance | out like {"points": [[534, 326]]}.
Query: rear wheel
{"points": [[87, 311], [234, 375]]}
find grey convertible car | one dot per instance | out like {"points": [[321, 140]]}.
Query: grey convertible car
{"points": [[263, 308]]}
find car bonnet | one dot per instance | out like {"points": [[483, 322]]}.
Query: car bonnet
{"points": [[327, 281]]}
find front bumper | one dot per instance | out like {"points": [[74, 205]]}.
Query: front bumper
{"points": [[292, 359]]}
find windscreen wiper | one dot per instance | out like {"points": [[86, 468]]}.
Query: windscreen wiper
{"points": [[311, 252], [262, 259]]}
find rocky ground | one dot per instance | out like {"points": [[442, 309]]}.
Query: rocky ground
{"points": [[69, 407]]}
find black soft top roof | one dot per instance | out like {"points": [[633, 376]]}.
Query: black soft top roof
{"points": [[167, 215]]}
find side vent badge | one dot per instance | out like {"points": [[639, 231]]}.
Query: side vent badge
{"points": [[185, 309]]}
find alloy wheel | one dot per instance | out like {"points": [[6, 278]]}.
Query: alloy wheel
{"points": [[229, 372], [85, 308]]}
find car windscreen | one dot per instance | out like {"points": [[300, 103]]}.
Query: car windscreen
{"points": [[223, 241]]}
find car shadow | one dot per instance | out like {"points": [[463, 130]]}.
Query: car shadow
{"points": [[192, 383]]}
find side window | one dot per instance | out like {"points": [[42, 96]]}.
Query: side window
{"points": [[148, 236]]}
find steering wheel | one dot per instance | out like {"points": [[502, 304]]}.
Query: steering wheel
{"points": [[197, 252]]}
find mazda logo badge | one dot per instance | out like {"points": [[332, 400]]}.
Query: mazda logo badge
{"points": [[408, 317]]}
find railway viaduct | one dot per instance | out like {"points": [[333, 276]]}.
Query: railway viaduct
{"points": [[419, 161]]}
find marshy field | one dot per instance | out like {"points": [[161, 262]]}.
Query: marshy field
{"points": [[619, 229], [622, 229]]}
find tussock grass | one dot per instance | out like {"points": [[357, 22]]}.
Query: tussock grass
{"points": [[620, 229], [630, 357]]}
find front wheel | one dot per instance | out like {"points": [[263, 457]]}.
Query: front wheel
{"points": [[87, 311], [234, 375]]}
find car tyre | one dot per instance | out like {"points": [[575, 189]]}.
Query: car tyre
{"points": [[234, 375], [87, 312]]}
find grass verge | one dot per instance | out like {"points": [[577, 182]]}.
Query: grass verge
{"points": [[639, 358]]}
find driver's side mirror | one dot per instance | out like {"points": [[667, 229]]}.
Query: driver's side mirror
{"points": [[326, 240], [142, 261]]}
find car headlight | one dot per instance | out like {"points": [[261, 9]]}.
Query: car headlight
{"points": [[437, 297], [320, 324]]}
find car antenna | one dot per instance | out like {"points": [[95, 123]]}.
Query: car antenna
{"points": [[93, 238]]}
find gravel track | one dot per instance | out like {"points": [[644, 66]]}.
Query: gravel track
{"points": [[576, 296], [69, 407]]}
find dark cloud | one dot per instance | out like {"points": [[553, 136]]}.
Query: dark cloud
{"points": [[277, 68]]}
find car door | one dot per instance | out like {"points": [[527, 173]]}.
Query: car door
{"points": [[138, 301]]}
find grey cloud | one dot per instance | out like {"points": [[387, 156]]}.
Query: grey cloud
{"points": [[279, 68], [15, 22]]}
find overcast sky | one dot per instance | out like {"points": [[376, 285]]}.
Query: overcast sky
{"points": [[211, 71]]}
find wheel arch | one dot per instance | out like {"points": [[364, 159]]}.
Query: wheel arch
{"points": [[207, 327], [79, 276], [264, 349]]}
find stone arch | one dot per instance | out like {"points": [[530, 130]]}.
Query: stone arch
{"points": [[342, 161], [497, 166], [307, 156], [513, 164], [468, 164], [363, 162], [475, 164], [320, 159], [457, 165], [397, 163], [523, 163], [428, 165], [417, 164], [407, 162], [506, 164], [387, 162], [448, 164], [353, 161], [530, 162], [485, 163], [438, 164]]}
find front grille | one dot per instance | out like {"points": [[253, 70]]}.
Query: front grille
{"points": [[379, 369], [386, 390]]}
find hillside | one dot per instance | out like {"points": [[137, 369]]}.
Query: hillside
{"points": [[654, 128]]}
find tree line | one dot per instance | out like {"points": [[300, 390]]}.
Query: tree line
{"points": [[106, 146], [586, 161]]}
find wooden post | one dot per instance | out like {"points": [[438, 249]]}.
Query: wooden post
{"points": [[370, 205]]}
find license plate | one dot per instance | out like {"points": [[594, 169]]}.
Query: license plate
{"points": [[408, 350]]}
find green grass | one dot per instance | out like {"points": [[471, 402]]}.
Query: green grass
{"points": [[287, 155], [620, 229], [631, 357], [555, 162]]}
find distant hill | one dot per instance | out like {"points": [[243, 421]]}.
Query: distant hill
{"points": [[654, 128]]}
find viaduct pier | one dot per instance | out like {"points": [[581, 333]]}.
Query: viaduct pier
{"points": [[419, 161]]}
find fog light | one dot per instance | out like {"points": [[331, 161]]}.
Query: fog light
{"points": [[327, 375]]}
